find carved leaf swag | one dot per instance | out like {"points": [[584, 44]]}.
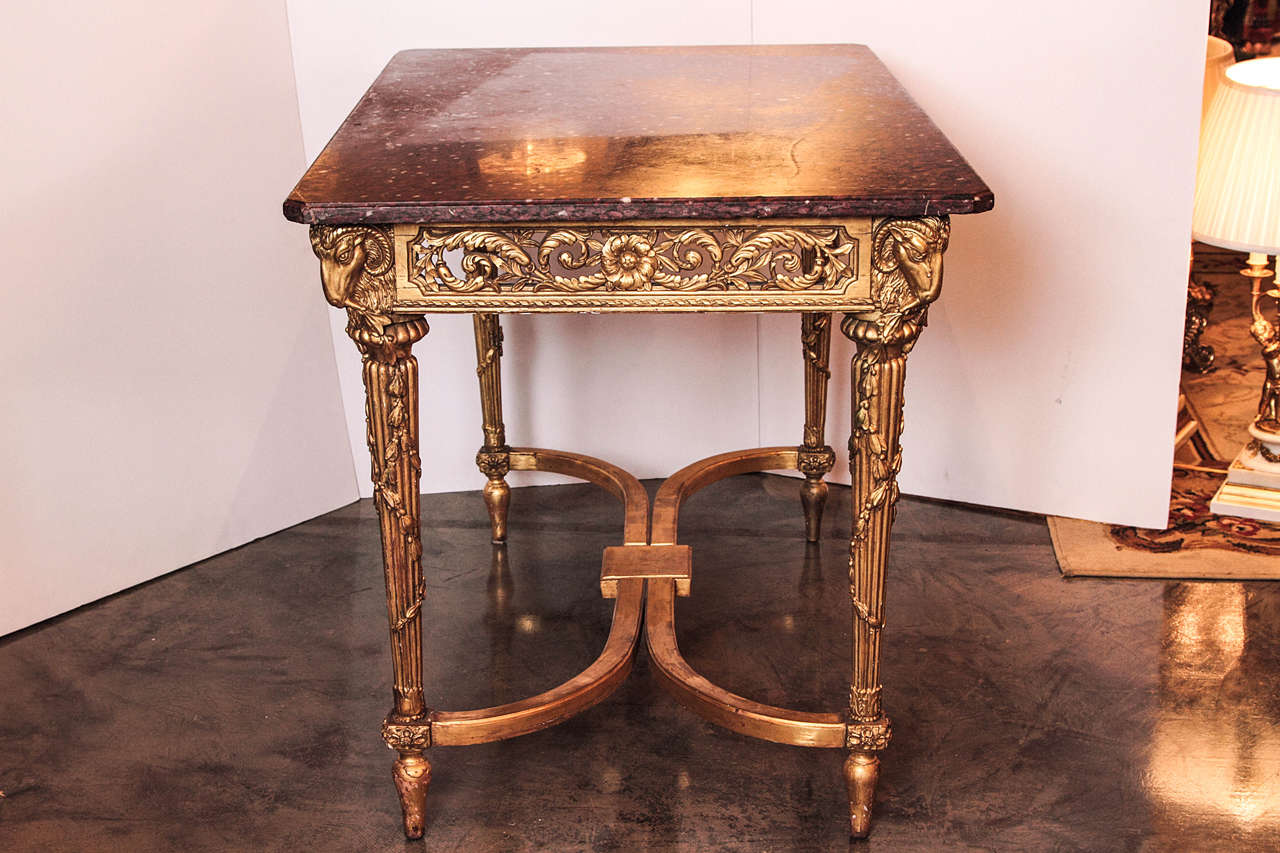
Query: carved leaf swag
{"points": [[815, 339], [493, 349], [582, 260], [868, 441], [388, 491]]}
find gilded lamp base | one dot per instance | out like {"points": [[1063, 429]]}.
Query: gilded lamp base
{"points": [[1252, 489]]}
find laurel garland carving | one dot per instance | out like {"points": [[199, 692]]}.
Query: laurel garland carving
{"points": [[390, 378], [816, 353], [815, 344], [583, 260], [357, 267], [390, 484]]}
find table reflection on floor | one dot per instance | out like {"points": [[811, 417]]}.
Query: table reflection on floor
{"points": [[1215, 748]]}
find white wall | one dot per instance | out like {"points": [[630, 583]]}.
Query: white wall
{"points": [[1047, 380], [168, 378]]}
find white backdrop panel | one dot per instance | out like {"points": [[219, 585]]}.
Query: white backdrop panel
{"points": [[1047, 381], [168, 376]]}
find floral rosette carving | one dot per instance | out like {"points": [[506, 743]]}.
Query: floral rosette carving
{"points": [[815, 461], [573, 260], [868, 736], [628, 262], [405, 736]]}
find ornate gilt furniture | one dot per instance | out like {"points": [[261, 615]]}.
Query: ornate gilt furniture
{"points": [[799, 179]]}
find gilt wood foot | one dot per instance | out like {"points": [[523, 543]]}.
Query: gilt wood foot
{"points": [[861, 772], [412, 775]]}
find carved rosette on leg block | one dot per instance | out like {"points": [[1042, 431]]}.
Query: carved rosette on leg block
{"points": [[814, 456], [357, 273], [494, 457], [906, 278]]}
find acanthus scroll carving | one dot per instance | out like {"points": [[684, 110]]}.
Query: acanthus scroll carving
{"points": [[357, 267], [864, 702], [581, 260]]}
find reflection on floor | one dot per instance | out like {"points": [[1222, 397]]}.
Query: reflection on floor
{"points": [[235, 705], [1215, 748]]}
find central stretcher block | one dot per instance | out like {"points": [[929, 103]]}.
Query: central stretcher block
{"points": [[646, 561]]}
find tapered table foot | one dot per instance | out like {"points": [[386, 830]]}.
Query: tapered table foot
{"points": [[412, 774], [813, 498], [861, 772], [497, 497]]}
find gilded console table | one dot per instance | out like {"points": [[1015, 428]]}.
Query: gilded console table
{"points": [[799, 179]]}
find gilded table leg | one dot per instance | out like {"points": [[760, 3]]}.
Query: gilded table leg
{"points": [[391, 388], [907, 277], [815, 457], [874, 460], [494, 458]]}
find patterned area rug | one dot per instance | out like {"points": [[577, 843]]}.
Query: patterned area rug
{"points": [[1197, 543]]}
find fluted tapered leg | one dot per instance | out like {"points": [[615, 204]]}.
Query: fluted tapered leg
{"points": [[391, 407], [494, 458], [815, 457], [875, 457]]}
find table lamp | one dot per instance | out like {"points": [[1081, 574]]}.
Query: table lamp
{"points": [[1237, 206]]}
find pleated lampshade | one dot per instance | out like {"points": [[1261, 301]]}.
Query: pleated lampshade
{"points": [[1218, 54], [1238, 183]]}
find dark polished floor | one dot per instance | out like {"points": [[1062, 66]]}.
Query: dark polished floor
{"points": [[235, 705]]}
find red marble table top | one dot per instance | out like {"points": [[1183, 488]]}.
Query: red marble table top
{"points": [[635, 133]]}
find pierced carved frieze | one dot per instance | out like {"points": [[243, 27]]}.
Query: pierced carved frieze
{"points": [[655, 266], [574, 260]]}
